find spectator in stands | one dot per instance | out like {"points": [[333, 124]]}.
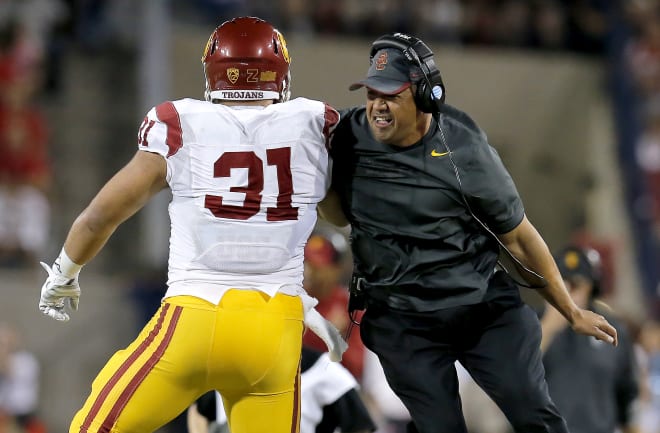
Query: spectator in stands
{"points": [[440, 20], [643, 51], [19, 384], [567, 25], [647, 151], [594, 385], [588, 25], [513, 26], [549, 27], [25, 174], [648, 354]]}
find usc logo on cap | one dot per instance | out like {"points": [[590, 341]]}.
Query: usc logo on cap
{"points": [[381, 61]]}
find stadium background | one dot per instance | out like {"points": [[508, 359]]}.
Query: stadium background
{"points": [[550, 114]]}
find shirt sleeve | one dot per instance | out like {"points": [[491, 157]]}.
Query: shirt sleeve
{"points": [[161, 131], [490, 189]]}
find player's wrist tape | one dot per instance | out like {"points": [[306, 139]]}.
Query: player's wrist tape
{"points": [[65, 266]]}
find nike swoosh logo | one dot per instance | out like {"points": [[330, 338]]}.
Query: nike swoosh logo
{"points": [[436, 153]]}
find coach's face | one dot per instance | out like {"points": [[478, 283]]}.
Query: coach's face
{"points": [[395, 119]]}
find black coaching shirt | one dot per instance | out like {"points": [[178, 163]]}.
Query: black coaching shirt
{"points": [[412, 235]]}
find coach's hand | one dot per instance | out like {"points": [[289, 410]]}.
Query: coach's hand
{"points": [[589, 323], [57, 291]]}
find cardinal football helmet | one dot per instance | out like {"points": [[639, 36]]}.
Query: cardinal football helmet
{"points": [[246, 59]]}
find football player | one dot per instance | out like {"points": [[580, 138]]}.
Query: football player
{"points": [[247, 169]]}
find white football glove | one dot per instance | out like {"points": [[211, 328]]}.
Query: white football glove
{"points": [[57, 291], [327, 332]]}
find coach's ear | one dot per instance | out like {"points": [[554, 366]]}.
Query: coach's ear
{"points": [[330, 209]]}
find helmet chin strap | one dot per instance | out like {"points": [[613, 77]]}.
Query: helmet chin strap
{"points": [[286, 88]]}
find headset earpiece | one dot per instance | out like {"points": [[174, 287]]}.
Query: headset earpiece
{"points": [[424, 99], [429, 93]]}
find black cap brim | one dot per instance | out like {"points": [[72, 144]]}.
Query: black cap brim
{"points": [[380, 85]]}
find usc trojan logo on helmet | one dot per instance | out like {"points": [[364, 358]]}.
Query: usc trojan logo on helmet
{"points": [[232, 75], [381, 61], [285, 50], [207, 48]]}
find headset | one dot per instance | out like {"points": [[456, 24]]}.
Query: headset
{"points": [[429, 94]]}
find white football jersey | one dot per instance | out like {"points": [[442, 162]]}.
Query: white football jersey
{"points": [[245, 184]]}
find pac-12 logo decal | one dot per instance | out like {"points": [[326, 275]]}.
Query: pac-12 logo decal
{"points": [[232, 75], [381, 61]]}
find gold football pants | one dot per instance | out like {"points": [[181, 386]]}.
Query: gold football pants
{"points": [[247, 347]]}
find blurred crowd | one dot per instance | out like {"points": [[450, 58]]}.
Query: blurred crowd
{"points": [[642, 58], [25, 167], [19, 385], [573, 25]]}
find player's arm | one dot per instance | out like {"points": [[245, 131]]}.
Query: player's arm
{"points": [[528, 246], [552, 323], [330, 209], [120, 198], [124, 194]]}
